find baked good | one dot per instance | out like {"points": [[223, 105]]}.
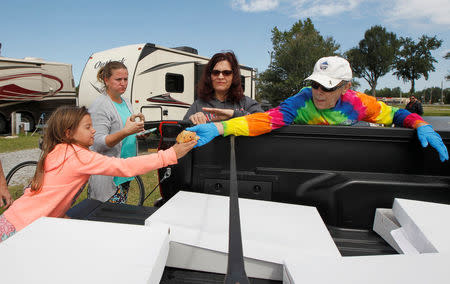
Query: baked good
{"points": [[187, 136]]}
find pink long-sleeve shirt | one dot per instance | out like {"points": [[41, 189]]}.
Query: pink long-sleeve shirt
{"points": [[66, 170]]}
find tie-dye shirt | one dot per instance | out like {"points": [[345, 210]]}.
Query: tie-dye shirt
{"points": [[300, 109]]}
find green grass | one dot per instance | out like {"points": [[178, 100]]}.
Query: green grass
{"points": [[150, 180], [22, 142], [432, 110], [436, 110]]}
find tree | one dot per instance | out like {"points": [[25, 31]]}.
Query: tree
{"points": [[293, 57], [374, 56], [415, 60]]}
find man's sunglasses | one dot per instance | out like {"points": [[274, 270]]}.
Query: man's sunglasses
{"points": [[224, 72], [316, 86]]}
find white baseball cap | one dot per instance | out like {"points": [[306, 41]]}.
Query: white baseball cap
{"points": [[330, 71]]}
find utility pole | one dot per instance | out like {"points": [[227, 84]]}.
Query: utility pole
{"points": [[442, 92]]}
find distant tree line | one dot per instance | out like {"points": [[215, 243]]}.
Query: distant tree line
{"points": [[296, 50], [428, 95]]}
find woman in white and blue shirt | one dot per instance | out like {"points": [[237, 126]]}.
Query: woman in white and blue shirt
{"points": [[116, 129]]}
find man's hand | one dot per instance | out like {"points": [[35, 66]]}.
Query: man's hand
{"points": [[219, 114], [206, 132], [427, 135]]}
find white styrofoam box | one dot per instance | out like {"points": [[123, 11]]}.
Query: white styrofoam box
{"points": [[425, 224], [403, 242], [270, 232], [384, 223], [55, 250], [385, 269]]}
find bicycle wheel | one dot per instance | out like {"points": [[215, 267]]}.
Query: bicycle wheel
{"points": [[136, 193], [19, 178]]}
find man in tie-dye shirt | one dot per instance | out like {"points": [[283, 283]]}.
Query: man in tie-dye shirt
{"points": [[328, 101]]}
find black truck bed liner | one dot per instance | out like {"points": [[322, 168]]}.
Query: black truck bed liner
{"points": [[345, 172]]}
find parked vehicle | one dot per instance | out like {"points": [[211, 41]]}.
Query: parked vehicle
{"points": [[162, 81], [345, 172], [32, 87]]}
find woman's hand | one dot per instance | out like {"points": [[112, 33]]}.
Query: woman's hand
{"points": [[219, 114], [198, 118], [132, 126], [181, 149], [5, 198], [138, 115]]}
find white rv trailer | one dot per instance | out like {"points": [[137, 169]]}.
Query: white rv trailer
{"points": [[32, 87], [161, 81]]}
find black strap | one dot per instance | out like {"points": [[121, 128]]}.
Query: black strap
{"points": [[236, 270]]}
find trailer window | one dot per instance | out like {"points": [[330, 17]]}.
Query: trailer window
{"points": [[243, 83], [174, 83]]}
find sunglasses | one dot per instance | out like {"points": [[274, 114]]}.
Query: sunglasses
{"points": [[316, 86], [223, 72]]}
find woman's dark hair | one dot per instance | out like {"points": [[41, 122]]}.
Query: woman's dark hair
{"points": [[205, 88]]}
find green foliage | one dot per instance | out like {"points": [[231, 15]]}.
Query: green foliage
{"points": [[355, 84], [374, 56], [415, 60], [293, 57], [428, 96], [433, 95], [389, 93]]}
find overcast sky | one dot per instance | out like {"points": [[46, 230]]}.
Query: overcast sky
{"points": [[70, 31]]}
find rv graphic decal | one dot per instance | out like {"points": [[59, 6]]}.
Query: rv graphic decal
{"points": [[14, 92], [99, 64], [166, 99], [96, 88], [165, 65]]}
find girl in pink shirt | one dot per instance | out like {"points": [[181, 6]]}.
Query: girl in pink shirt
{"points": [[67, 163]]}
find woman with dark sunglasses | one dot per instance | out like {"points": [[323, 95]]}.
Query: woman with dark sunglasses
{"points": [[220, 88], [328, 101]]}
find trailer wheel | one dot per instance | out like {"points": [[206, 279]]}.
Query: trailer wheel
{"points": [[3, 124], [25, 117]]}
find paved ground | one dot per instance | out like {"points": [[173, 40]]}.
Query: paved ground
{"points": [[9, 160]]}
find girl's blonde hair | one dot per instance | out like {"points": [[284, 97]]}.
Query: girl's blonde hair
{"points": [[62, 123], [106, 71]]}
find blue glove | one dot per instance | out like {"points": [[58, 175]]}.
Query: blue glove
{"points": [[206, 132], [426, 135]]}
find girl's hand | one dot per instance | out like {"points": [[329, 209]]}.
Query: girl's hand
{"points": [[198, 118], [132, 127], [181, 149], [219, 114]]}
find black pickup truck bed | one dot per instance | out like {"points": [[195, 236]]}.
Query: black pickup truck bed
{"points": [[345, 172]]}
